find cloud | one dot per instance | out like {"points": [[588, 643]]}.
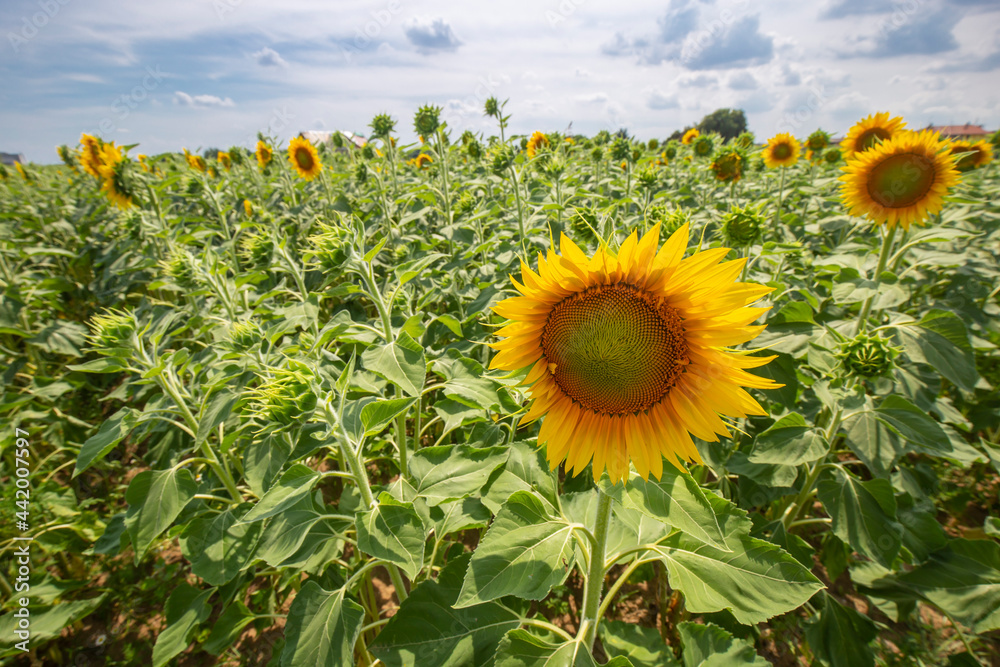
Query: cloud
{"points": [[903, 34], [839, 9], [739, 44], [201, 101], [987, 63], [742, 80], [680, 19], [657, 99], [789, 76], [699, 81], [431, 36], [268, 57]]}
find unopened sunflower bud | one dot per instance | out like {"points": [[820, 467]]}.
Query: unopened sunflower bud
{"points": [[180, 267], [743, 226], [669, 219], [492, 107], [245, 336], [285, 398], [327, 248], [501, 158], [112, 331], [382, 125], [868, 357], [257, 247], [427, 120]]}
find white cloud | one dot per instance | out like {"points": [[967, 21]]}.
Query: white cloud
{"points": [[431, 36], [268, 57], [201, 101]]}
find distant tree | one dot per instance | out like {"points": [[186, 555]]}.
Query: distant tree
{"points": [[728, 123]]}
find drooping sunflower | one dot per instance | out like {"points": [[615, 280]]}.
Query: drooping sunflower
{"points": [[728, 165], [264, 154], [900, 181], [977, 154], [421, 161], [196, 162], [870, 130], [224, 160], [628, 354], [782, 150], [537, 140], [90, 155], [690, 135], [114, 181], [304, 158]]}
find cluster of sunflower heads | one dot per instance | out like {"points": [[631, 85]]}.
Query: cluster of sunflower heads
{"points": [[112, 333], [868, 357], [743, 226], [180, 267], [427, 120], [286, 397]]}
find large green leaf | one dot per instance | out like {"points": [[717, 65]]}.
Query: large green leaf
{"points": [[400, 362], [262, 461], [449, 472], [464, 382], [790, 441], [46, 622], [393, 531], [155, 498], [643, 646], [710, 646], [941, 340], [294, 484], [841, 637], [863, 513], [525, 470], [285, 534], [525, 552], [428, 631], [679, 501], [322, 628], [876, 443], [228, 628], [913, 423], [519, 648], [378, 414], [964, 580], [186, 607], [114, 429], [756, 580], [219, 547]]}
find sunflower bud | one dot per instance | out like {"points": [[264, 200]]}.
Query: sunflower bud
{"points": [[474, 149], [427, 120], [361, 173], [286, 397], [832, 155], [111, 332], [596, 154], [67, 156], [647, 177], [620, 149], [653, 144], [868, 357], [464, 204], [602, 137], [818, 140], [244, 336], [670, 219], [382, 125], [492, 108], [670, 151], [180, 268], [328, 248], [257, 247], [584, 222], [368, 151], [743, 226], [702, 146], [745, 140], [501, 159]]}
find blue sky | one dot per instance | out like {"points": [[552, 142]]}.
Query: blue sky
{"points": [[200, 73]]}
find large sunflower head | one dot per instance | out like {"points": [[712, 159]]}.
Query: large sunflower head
{"points": [[976, 154], [782, 150], [983, 153], [871, 130], [304, 158], [538, 141], [690, 135], [264, 154], [902, 180], [627, 355]]}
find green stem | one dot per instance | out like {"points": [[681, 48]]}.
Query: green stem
{"points": [[883, 258], [595, 576], [781, 194], [520, 210]]}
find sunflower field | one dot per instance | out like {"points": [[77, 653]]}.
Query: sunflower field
{"points": [[504, 401]]}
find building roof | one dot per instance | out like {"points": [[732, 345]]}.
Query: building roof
{"points": [[966, 130], [11, 158], [319, 136]]}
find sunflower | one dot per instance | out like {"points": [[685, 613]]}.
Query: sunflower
{"points": [[628, 354], [113, 179], [977, 154], [690, 135], [196, 162], [421, 161], [782, 150], [702, 146], [248, 208], [728, 165], [817, 141], [90, 156], [902, 180], [263, 154], [538, 140], [224, 160], [304, 158], [869, 131]]}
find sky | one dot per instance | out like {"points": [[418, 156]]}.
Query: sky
{"points": [[211, 73]]}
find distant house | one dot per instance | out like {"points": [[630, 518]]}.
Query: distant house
{"points": [[317, 137], [966, 131], [11, 159]]}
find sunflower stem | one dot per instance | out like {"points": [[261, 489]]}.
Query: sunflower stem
{"points": [[781, 194], [883, 258], [595, 575]]}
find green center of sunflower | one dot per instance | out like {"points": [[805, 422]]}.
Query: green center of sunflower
{"points": [[304, 158], [870, 137], [782, 152], [901, 180], [615, 349]]}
